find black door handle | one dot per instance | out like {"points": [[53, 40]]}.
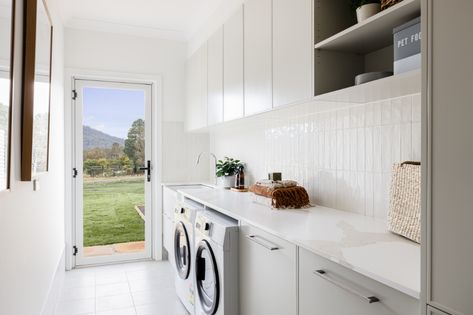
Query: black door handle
{"points": [[147, 168]]}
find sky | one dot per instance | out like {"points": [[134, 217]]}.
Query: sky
{"points": [[112, 110]]}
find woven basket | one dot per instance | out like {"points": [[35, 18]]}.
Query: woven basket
{"points": [[404, 205], [388, 3]]}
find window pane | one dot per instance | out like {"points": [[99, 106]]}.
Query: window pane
{"points": [[4, 131]]}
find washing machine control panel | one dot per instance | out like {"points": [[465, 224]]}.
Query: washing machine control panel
{"points": [[203, 226], [183, 211]]}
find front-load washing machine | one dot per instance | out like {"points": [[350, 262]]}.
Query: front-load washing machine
{"points": [[183, 248], [216, 264]]}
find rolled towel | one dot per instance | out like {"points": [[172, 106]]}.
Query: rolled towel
{"points": [[292, 197], [288, 197], [276, 184]]}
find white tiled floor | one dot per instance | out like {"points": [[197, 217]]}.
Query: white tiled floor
{"points": [[142, 288]]}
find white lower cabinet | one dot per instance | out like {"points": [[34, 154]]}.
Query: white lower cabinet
{"points": [[170, 200], [326, 288], [268, 284]]}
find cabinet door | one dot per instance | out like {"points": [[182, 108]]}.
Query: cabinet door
{"points": [[233, 67], [170, 202], [215, 78], [292, 51], [449, 215], [258, 56], [267, 274], [328, 288]]}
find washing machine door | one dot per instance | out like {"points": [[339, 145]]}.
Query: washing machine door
{"points": [[207, 283], [182, 251]]}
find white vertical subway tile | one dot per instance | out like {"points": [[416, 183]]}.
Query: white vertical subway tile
{"points": [[369, 115], [360, 143], [341, 190], [341, 114], [377, 148], [378, 198], [353, 149], [386, 147], [369, 158], [406, 142], [377, 113], [359, 192], [406, 109], [333, 149], [346, 149], [369, 201], [328, 157], [416, 108], [416, 141], [386, 112], [396, 143], [340, 151], [396, 111]]}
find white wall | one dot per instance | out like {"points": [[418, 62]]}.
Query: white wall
{"points": [[32, 223], [343, 157], [102, 51]]}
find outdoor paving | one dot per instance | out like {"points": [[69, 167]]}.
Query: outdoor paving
{"points": [[121, 248]]}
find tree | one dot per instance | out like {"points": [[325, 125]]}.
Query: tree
{"points": [[135, 144], [116, 151]]}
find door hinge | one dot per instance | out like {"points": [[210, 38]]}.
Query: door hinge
{"points": [[74, 250], [74, 172], [74, 94]]}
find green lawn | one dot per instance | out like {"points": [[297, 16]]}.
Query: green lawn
{"points": [[109, 213]]}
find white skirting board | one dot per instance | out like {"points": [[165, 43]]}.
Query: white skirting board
{"points": [[55, 288]]}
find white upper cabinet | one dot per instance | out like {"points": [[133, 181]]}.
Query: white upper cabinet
{"points": [[258, 56], [215, 78], [196, 111], [292, 51], [233, 97]]}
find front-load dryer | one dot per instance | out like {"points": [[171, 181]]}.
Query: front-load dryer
{"points": [[216, 264], [183, 248]]}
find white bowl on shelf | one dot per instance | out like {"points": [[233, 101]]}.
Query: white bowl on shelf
{"points": [[367, 10]]}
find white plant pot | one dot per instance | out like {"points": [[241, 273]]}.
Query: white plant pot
{"points": [[366, 11], [226, 182]]}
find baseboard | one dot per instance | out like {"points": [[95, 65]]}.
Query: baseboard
{"points": [[56, 288]]}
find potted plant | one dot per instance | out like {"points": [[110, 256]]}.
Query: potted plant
{"points": [[226, 170], [365, 8]]}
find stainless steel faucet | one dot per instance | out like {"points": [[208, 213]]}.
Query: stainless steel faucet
{"points": [[215, 164]]}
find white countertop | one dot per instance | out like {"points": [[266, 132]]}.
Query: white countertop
{"points": [[355, 241]]}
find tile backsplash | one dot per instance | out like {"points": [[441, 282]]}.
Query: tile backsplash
{"points": [[343, 157]]}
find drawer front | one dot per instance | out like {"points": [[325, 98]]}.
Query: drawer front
{"points": [[169, 201], [328, 288], [268, 278]]}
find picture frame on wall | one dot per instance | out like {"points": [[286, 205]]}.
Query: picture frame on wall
{"points": [[7, 35], [37, 61]]}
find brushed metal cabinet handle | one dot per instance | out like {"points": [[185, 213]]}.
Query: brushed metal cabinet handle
{"points": [[323, 274], [270, 246]]}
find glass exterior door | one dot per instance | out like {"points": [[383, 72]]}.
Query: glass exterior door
{"points": [[112, 171]]}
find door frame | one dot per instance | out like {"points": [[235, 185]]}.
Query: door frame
{"points": [[156, 153]]}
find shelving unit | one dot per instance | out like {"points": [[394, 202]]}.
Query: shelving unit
{"points": [[374, 33], [342, 54]]}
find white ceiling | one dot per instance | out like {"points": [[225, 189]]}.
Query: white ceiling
{"points": [[173, 19]]}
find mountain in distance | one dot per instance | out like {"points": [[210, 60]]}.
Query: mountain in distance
{"points": [[94, 138]]}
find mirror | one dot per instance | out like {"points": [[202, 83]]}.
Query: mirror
{"points": [[6, 40], [36, 89]]}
